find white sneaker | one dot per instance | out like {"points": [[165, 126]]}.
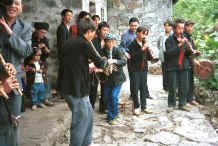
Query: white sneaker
{"points": [[136, 111], [34, 107], [42, 105]]}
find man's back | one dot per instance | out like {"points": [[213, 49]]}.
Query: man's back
{"points": [[75, 78]]}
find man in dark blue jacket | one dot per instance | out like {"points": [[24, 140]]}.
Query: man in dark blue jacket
{"points": [[113, 82]]}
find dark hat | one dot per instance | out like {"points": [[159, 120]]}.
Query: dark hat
{"points": [[41, 25], [189, 22]]}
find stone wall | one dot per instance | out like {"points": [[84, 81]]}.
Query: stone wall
{"points": [[151, 13], [49, 11]]}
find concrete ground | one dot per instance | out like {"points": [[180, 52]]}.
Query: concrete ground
{"points": [[50, 126]]}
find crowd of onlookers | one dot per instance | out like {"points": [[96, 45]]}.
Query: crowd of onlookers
{"points": [[36, 66], [89, 56]]}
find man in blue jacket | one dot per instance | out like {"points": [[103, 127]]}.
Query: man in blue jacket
{"points": [[15, 44]]}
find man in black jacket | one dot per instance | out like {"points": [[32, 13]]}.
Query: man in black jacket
{"points": [[99, 43], [75, 81], [63, 34], [140, 53], [177, 66], [188, 34], [40, 41]]}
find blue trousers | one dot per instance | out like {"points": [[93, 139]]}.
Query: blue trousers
{"points": [[47, 90], [82, 120], [111, 95], [139, 81], [180, 79], [38, 93], [8, 132]]}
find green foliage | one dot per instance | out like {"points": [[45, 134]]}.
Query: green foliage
{"points": [[205, 14]]}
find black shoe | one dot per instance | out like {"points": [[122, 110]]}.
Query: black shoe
{"points": [[149, 97]]}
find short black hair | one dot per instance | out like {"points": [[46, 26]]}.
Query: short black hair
{"points": [[84, 25], [95, 16], [142, 29], [169, 22], [63, 12], [103, 24], [81, 15], [133, 19], [41, 25], [177, 21]]}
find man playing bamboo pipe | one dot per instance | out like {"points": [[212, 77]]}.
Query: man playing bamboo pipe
{"points": [[15, 45], [177, 66]]}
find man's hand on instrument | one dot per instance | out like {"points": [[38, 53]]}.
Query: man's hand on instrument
{"points": [[198, 53], [145, 47], [99, 70], [91, 67], [6, 28], [151, 51], [195, 62], [40, 71], [10, 69], [41, 45], [111, 61], [9, 84], [181, 41], [127, 55]]}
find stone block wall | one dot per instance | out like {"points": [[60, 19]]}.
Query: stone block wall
{"points": [[151, 13]]}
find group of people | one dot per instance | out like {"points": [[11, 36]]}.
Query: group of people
{"points": [[88, 55], [36, 68], [177, 55]]}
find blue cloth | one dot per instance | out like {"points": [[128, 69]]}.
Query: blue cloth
{"points": [[47, 90], [111, 95], [17, 46], [7, 136], [126, 39], [38, 93], [82, 120]]}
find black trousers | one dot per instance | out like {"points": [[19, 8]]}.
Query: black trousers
{"points": [[139, 83], [130, 77], [93, 89], [178, 79], [165, 86], [190, 95], [103, 101]]}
